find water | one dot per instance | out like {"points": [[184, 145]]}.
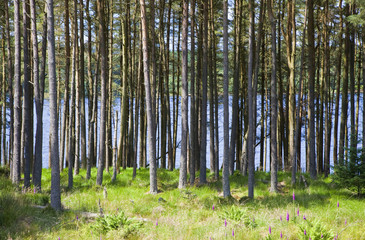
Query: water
{"points": [[116, 107]]}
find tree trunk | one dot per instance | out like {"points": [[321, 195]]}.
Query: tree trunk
{"points": [[344, 102], [55, 175], [193, 119], [103, 80], [82, 88], [251, 110], [17, 97], [338, 85], [27, 97], [311, 80], [184, 98], [39, 94], [67, 79], [150, 110], [91, 133], [72, 154], [226, 163], [203, 140], [273, 102]]}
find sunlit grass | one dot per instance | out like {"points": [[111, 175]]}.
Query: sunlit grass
{"points": [[180, 214]]}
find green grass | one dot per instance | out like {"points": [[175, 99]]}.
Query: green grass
{"points": [[131, 212]]}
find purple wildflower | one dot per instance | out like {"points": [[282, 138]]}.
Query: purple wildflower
{"points": [[345, 221], [281, 234], [305, 232], [338, 204], [287, 216], [117, 209], [59, 238], [232, 232], [293, 196], [34, 190], [213, 207], [304, 217], [298, 212], [281, 219], [270, 229], [156, 222], [225, 222], [253, 220], [77, 218], [322, 235]]}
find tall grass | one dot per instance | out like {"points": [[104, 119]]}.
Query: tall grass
{"points": [[180, 214]]}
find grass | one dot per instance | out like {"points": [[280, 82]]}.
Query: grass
{"points": [[132, 213]]}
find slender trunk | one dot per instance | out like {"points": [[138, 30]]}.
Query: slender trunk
{"points": [[311, 80], [273, 102], [184, 98], [226, 186], [17, 97], [82, 88], [338, 85], [67, 79], [27, 97], [203, 140], [251, 110], [344, 102], [55, 180], [103, 80], [39, 94], [10, 84], [296, 150], [150, 110], [72, 154]]}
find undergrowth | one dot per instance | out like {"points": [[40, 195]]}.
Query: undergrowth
{"points": [[197, 212]]}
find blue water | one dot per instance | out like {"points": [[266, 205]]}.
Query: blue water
{"points": [[116, 107]]}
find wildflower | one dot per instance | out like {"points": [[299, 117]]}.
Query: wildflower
{"points": [[298, 212], [281, 234], [59, 238], [322, 235], [77, 218], [305, 232], [304, 217], [156, 223], [34, 190], [338, 204], [213, 207], [270, 229], [232, 232], [293, 196], [225, 222], [287, 216], [345, 221], [117, 209], [281, 219]]}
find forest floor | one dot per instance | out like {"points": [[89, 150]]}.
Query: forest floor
{"points": [[130, 212]]}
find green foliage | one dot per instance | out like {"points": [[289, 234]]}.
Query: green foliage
{"points": [[351, 174], [118, 221], [315, 230], [237, 216]]}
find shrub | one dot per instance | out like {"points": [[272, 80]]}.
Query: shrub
{"points": [[351, 174], [118, 221]]}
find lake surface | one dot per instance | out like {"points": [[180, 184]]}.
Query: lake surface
{"points": [[116, 107]]}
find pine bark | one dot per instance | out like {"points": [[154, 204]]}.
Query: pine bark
{"points": [[17, 97], [150, 110], [226, 160], [184, 98], [55, 174], [273, 102], [103, 80]]}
